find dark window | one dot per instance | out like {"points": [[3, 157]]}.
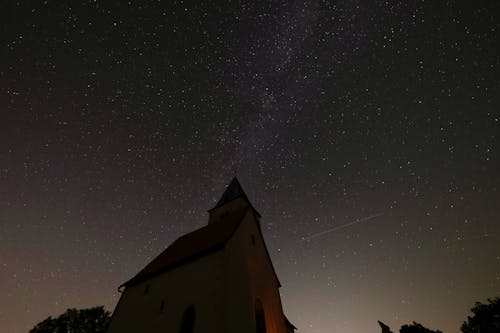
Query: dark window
{"points": [[187, 324], [146, 289], [162, 306], [253, 240], [260, 320]]}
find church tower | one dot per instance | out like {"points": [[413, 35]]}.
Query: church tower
{"points": [[217, 279]]}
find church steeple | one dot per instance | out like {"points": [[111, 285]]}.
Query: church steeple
{"points": [[233, 191], [233, 199]]}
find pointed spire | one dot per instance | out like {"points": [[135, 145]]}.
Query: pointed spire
{"points": [[233, 191], [228, 203]]}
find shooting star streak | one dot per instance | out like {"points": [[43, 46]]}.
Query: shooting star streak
{"points": [[341, 227]]}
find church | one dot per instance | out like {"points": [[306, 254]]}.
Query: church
{"points": [[217, 279]]}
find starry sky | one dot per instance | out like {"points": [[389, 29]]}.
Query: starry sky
{"points": [[364, 132]]}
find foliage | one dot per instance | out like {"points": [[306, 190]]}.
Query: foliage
{"points": [[416, 328], [93, 320], [485, 318]]}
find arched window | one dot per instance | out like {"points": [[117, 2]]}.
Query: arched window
{"points": [[187, 324], [260, 320]]}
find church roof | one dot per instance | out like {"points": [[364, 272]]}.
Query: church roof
{"points": [[233, 191], [192, 246]]}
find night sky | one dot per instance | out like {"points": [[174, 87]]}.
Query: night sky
{"points": [[366, 133]]}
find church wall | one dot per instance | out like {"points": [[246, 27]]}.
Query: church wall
{"points": [[251, 276], [237, 296], [200, 282]]}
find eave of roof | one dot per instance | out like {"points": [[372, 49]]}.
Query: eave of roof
{"points": [[249, 203]]}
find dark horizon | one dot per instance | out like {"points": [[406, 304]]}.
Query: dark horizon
{"points": [[365, 134]]}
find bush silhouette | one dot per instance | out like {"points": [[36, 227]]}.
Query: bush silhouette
{"points": [[485, 318], [93, 320], [416, 328]]}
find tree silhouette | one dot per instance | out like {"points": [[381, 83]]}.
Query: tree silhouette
{"points": [[416, 328], [485, 318], [384, 327], [93, 320]]}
